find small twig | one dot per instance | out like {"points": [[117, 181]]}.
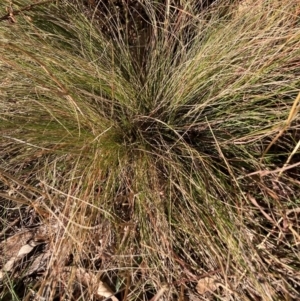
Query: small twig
{"points": [[10, 226], [159, 293], [29, 7], [289, 158], [196, 278], [263, 173], [293, 112], [254, 202]]}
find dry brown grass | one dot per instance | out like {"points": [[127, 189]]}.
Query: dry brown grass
{"points": [[152, 165]]}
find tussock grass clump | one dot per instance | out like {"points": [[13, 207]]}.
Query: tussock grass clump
{"points": [[158, 146]]}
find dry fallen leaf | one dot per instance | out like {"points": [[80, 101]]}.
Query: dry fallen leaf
{"points": [[87, 278], [104, 291], [207, 284], [15, 249]]}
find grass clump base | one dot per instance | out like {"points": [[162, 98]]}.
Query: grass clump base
{"points": [[151, 144]]}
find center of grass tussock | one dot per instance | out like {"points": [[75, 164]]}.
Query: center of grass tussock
{"points": [[164, 125]]}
